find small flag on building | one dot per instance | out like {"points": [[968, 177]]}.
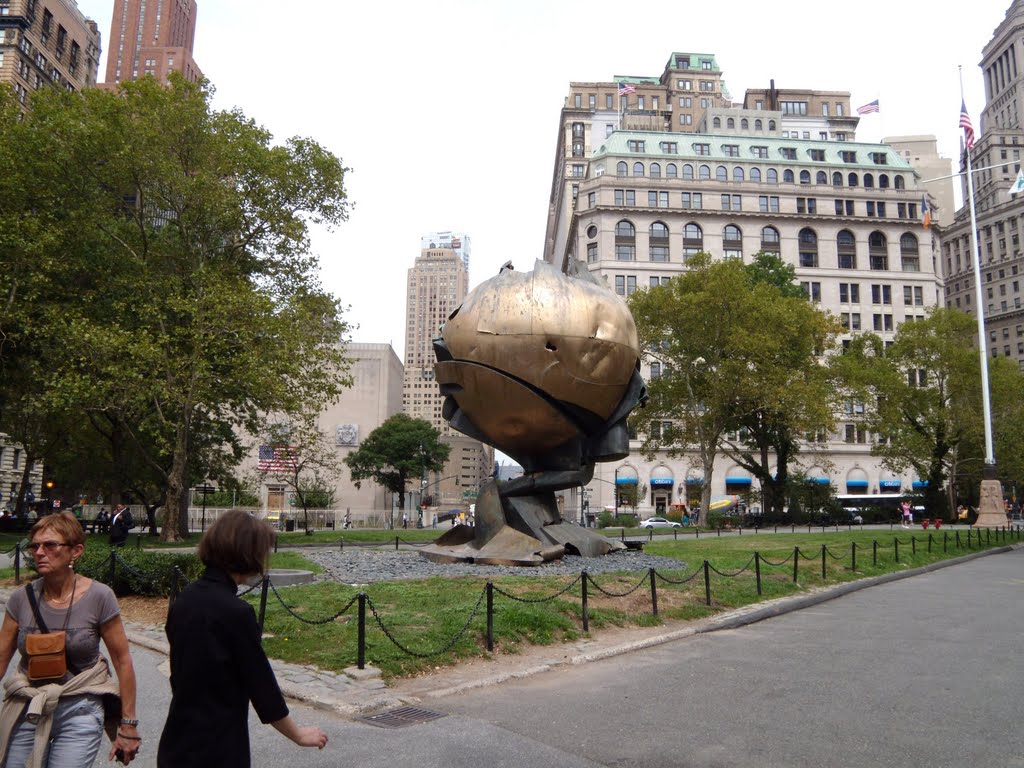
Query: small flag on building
{"points": [[1018, 184], [926, 213], [965, 123], [626, 88], [868, 108], [279, 458]]}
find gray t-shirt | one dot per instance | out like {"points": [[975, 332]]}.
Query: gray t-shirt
{"points": [[96, 606]]}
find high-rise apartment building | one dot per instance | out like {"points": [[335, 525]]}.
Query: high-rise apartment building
{"points": [[47, 42], [996, 160], [781, 173], [436, 285], [152, 37]]}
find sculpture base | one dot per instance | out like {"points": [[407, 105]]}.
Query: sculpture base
{"points": [[518, 530], [991, 513]]}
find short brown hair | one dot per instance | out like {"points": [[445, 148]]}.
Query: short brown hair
{"points": [[64, 524], [238, 543]]}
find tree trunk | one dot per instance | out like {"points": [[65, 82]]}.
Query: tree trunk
{"points": [[176, 509]]}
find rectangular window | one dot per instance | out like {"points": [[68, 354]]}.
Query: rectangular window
{"points": [[692, 200], [702, 149], [635, 145], [591, 252], [731, 203], [806, 205], [870, 205], [591, 199], [592, 99], [788, 152], [609, 101], [848, 156], [707, 85], [670, 147], [578, 170], [879, 158], [731, 150], [686, 119], [794, 107], [640, 102], [761, 152], [812, 290]]}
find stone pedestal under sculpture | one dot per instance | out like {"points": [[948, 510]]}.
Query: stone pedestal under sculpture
{"points": [[991, 512], [544, 366]]}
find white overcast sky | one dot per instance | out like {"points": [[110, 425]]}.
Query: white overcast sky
{"points": [[447, 111]]}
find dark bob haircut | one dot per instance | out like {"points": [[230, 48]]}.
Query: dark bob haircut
{"points": [[238, 543]]}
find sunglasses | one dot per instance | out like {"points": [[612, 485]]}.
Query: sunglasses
{"points": [[49, 546]]}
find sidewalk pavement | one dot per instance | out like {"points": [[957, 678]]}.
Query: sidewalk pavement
{"points": [[357, 692]]}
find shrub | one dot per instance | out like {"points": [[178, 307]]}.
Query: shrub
{"points": [[139, 571]]}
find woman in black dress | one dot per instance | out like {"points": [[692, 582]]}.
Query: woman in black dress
{"points": [[217, 662]]}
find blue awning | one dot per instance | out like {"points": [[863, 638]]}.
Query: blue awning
{"points": [[857, 483], [662, 482], [897, 484], [820, 480], [626, 481], [918, 484], [695, 481], [738, 481]]}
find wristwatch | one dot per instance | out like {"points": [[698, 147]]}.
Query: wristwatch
{"points": [[126, 721]]}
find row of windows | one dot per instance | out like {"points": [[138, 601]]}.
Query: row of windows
{"points": [[740, 174], [733, 150]]}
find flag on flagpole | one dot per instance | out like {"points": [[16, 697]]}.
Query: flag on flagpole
{"points": [[1018, 184], [280, 458], [926, 214], [965, 123], [868, 108], [626, 89]]}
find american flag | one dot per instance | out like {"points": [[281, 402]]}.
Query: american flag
{"points": [[626, 88], [279, 458], [868, 108], [965, 123]]}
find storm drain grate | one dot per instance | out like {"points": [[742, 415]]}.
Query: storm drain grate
{"points": [[401, 717]]}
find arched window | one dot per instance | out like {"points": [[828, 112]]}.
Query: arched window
{"points": [[721, 173], [622, 169], [716, 123], [755, 174], [808, 241], [837, 179], [693, 241], [821, 178], [671, 171], [910, 260], [787, 176], [737, 174], [851, 180], [744, 124], [658, 242], [883, 181], [758, 125], [625, 241], [638, 169], [771, 125], [847, 248], [730, 123], [655, 170], [805, 177], [898, 182], [704, 172], [869, 181], [687, 172], [770, 240], [732, 242], [878, 251], [773, 176]]}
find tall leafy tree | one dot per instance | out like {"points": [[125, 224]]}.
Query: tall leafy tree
{"points": [[399, 450], [168, 272]]}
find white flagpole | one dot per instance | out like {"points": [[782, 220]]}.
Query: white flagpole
{"points": [[990, 458]]}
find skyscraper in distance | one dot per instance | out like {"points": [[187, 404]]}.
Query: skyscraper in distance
{"points": [[152, 37]]}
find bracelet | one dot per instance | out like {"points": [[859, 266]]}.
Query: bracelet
{"points": [[126, 736], [126, 721]]}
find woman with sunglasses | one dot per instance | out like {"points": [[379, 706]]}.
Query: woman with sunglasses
{"points": [[59, 722]]}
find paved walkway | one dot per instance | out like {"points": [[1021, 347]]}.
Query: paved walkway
{"points": [[357, 691]]}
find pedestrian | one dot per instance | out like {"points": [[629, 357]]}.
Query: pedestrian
{"points": [[905, 510], [80, 698], [405, 520], [348, 518], [217, 662], [120, 523]]}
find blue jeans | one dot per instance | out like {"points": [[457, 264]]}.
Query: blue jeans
{"points": [[74, 738]]}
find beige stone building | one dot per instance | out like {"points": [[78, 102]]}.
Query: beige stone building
{"points": [[152, 37], [936, 173], [996, 160], [47, 42], [782, 173]]}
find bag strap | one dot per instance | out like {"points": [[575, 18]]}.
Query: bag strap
{"points": [[35, 607]]}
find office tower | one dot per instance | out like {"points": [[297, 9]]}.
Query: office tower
{"points": [[638, 189], [152, 37], [996, 160], [47, 42], [456, 241]]}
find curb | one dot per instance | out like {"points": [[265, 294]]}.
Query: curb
{"points": [[734, 619]]}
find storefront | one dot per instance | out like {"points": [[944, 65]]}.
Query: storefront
{"points": [[662, 482]]}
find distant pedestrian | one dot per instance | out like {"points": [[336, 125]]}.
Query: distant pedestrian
{"points": [[405, 520], [120, 523], [905, 511]]}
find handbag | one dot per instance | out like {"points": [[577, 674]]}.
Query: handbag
{"points": [[46, 651]]}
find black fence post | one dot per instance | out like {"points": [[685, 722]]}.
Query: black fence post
{"points": [[719, 530], [341, 544], [707, 583], [361, 633], [988, 536], [490, 617], [112, 572], [675, 534], [958, 539], [264, 588], [913, 546], [17, 563], [757, 570], [945, 540], [396, 543], [275, 543], [968, 538], [853, 556], [796, 562], [650, 534], [874, 552], [586, 608], [929, 543], [824, 549], [138, 541], [622, 533], [654, 592], [896, 548]]}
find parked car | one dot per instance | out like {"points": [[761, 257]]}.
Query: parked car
{"points": [[659, 522]]}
